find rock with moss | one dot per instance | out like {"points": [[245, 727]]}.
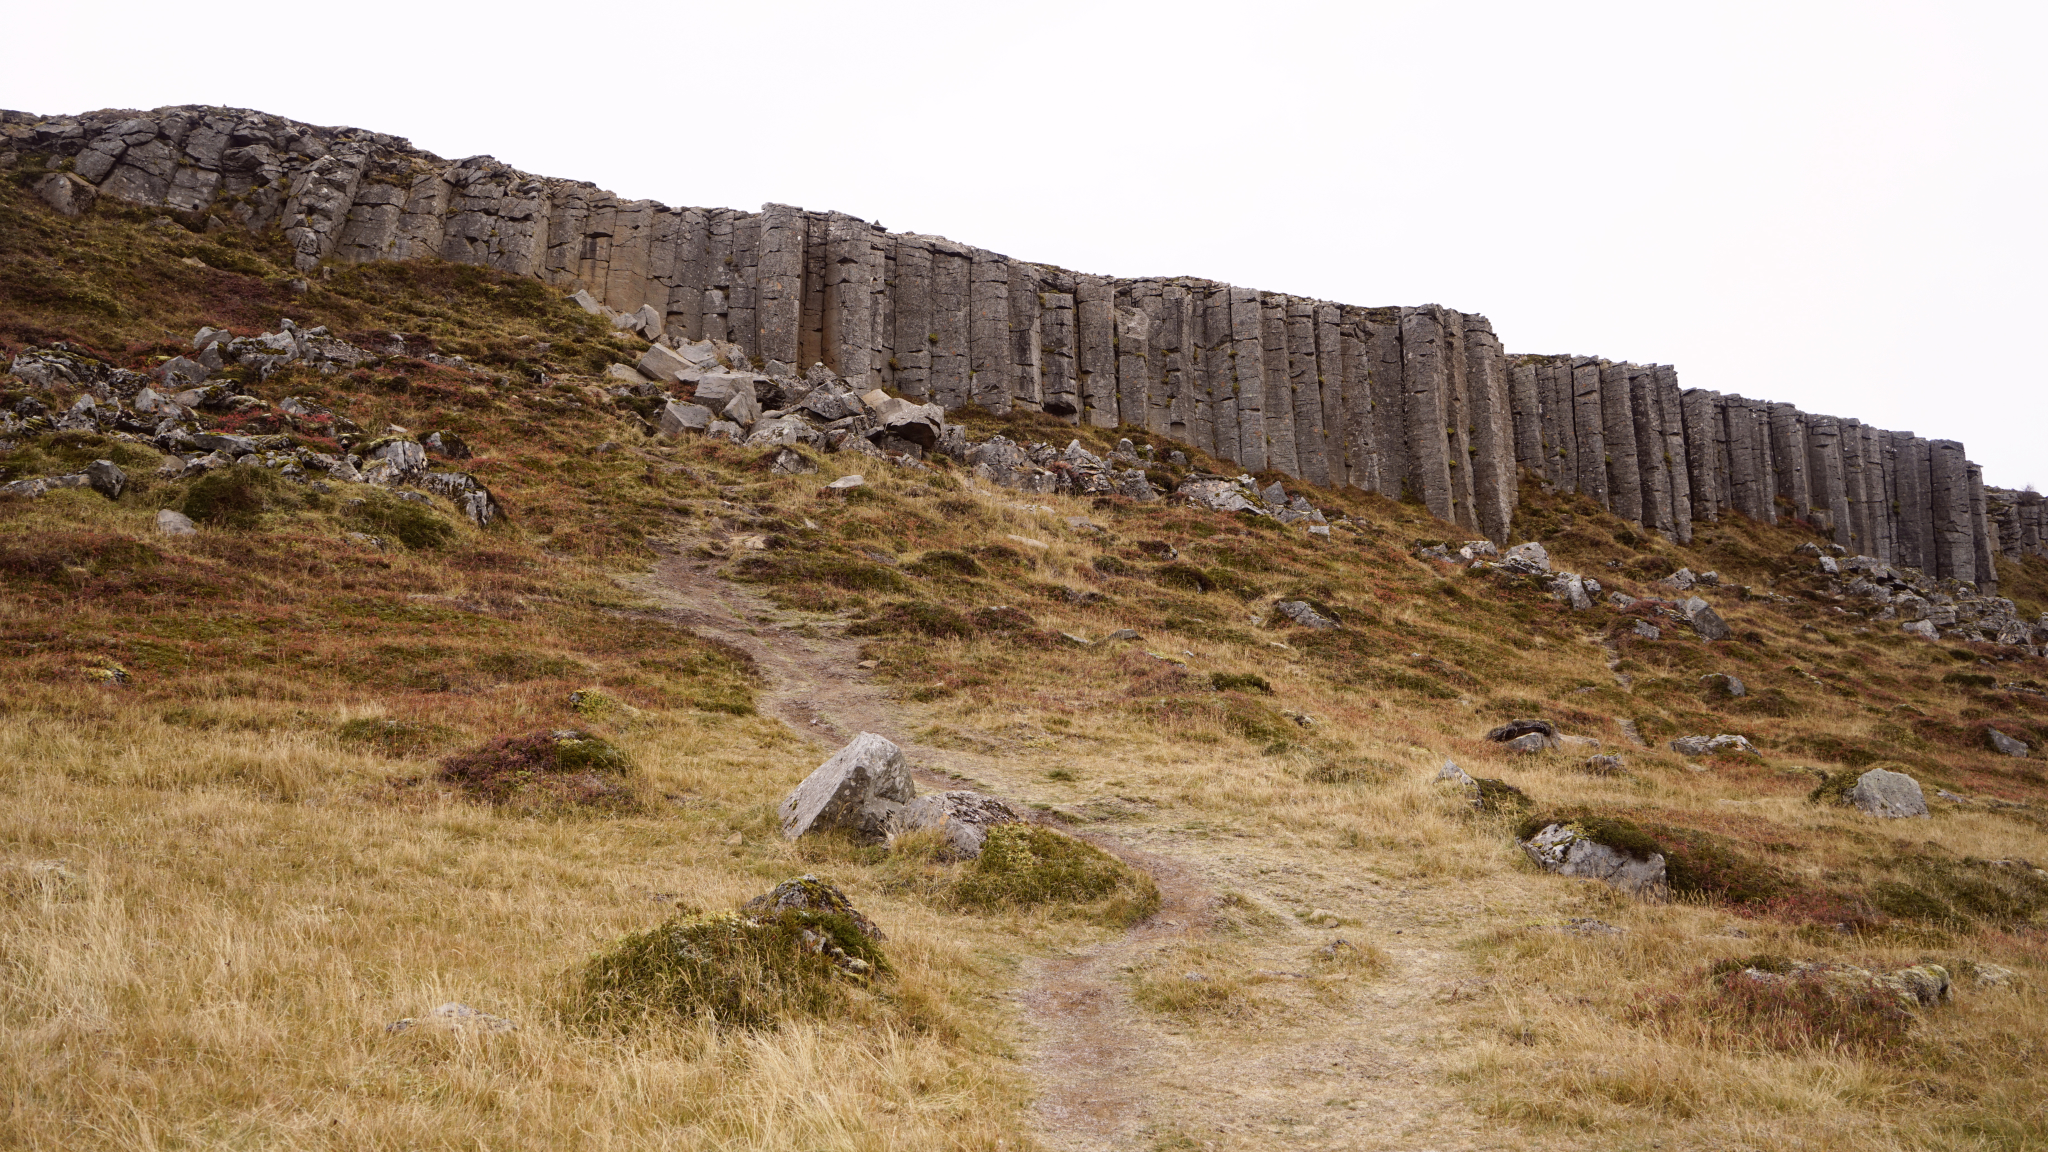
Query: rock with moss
{"points": [[1526, 736], [860, 791], [1568, 850], [2005, 745], [963, 818]]}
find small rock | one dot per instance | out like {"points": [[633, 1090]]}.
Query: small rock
{"points": [[457, 1018], [1519, 730], [1301, 613], [1125, 634], [1727, 684], [735, 840], [1530, 558], [790, 462], [1723, 744], [171, 523], [1993, 976], [845, 482], [1648, 631], [1450, 773], [807, 893], [1604, 765], [1527, 744]]}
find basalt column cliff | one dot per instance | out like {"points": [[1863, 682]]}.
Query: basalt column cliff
{"points": [[1417, 402]]}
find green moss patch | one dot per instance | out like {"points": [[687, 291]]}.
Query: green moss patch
{"points": [[1025, 865]]}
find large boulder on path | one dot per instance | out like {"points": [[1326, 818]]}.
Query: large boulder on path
{"points": [[1891, 795], [963, 817], [860, 790], [1565, 850]]}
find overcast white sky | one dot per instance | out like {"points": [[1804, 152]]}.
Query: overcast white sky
{"points": [[1834, 204]]}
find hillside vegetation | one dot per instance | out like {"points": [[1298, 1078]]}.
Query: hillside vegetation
{"points": [[264, 795]]}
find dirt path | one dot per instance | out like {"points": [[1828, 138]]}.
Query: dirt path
{"points": [[1363, 1070]]}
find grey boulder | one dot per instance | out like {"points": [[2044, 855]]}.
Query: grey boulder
{"points": [[677, 417], [106, 478], [171, 523], [1526, 735], [2005, 745], [860, 790], [1530, 558], [1887, 794], [1301, 613], [962, 817], [1563, 849], [1704, 620], [1723, 744]]}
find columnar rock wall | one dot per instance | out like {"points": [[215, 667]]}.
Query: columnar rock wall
{"points": [[1418, 403]]}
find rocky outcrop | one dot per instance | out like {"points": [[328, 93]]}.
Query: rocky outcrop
{"points": [[962, 818], [1418, 403], [1568, 851]]}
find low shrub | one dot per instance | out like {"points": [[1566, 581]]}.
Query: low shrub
{"points": [[396, 738], [1025, 865], [565, 768], [914, 617], [234, 497], [943, 564], [837, 571], [1761, 1003], [409, 522], [1240, 682]]}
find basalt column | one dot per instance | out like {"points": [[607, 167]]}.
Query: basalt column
{"points": [[1216, 352], [1361, 443], [1954, 522], [1248, 373], [948, 340], [1589, 425], [1655, 479], [1618, 435], [1329, 323], [1702, 452], [1386, 379], [1281, 450], [1426, 382], [1303, 378], [1095, 347], [1985, 559], [1027, 336], [913, 298], [1528, 418], [1671, 413], [1788, 452], [1058, 350], [990, 373]]}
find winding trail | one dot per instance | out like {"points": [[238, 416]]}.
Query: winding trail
{"points": [[1365, 1070]]}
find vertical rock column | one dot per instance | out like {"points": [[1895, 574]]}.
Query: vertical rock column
{"points": [[1218, 355], [1425, 382], [1329, 320], [1618, 435], [1361, 442], [1058, 347], [1280, 444], [1304, 382], [1386, 379], [1177, 403], [913, 297], [1983, 553], [1490, 425], [1528, 418], [1590, 465], [1560, 422], [1095, 347], [1671, 413], [743, 320], [949, 293], [848, 338], [1248, 376], [1788, 453], [1027, 336], [1949, 500], [1654, 478], [1702, 418], [988, 331]]}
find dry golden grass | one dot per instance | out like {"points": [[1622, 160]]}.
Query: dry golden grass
{"points": [[211, 903]]}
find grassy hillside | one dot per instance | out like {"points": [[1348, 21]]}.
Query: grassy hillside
{"points": [[228, 858]]}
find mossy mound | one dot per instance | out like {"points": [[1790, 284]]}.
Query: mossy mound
{"points": [[914, 618], [565, 768], [737, 969], [1024, 865], [409, 522], [234, 497], [1501, 796]]}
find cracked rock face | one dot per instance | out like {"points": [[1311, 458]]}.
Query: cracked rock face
{"points": [[860, 790]]}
